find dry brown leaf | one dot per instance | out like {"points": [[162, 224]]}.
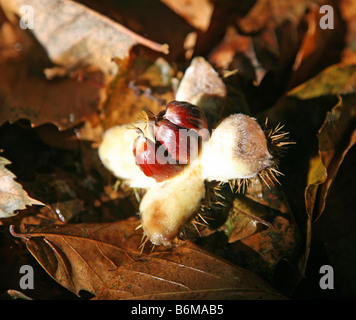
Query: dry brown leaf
{"points": [[245, 216], [338, 125], [26, 93], [232, 44], [75, 36], [12, 196], [334, 80], [272, 234], [105, 260], [197, 13], [83, 256], [319, 47], [333, 149], [276, 11], [65, 102], [185, 272], [142, 85], [14, 294], [334, 232], [257, 18], [336, 137], [309, 43], [317, 175], [348, 12]]}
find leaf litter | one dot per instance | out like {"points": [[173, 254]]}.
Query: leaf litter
{"points": [[83, 232]]}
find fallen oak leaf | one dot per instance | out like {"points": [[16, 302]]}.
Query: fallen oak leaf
{"points": [[12, 196]]}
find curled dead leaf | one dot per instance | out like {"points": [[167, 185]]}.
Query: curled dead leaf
{"points": [[12, 196], [336, 137]]}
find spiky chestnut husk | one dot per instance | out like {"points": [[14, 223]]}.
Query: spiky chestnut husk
{"points": [[195, 96], [238, 152], [237, 149], [115, 152], [168, 205], [200, 86]]}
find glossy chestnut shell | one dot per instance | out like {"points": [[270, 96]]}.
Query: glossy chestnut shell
{"points": [[178, 132]]}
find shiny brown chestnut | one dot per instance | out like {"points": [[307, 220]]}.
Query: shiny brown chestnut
{"points": [[154, 160], [177, 132]]}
